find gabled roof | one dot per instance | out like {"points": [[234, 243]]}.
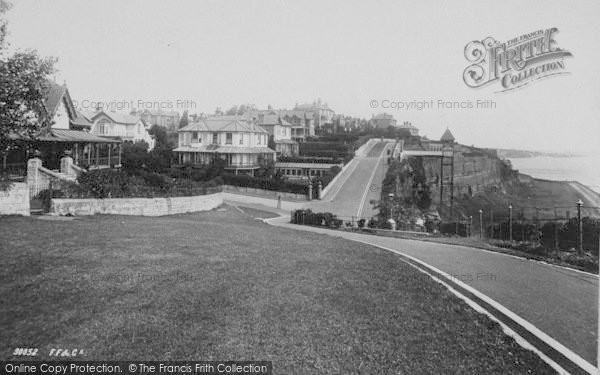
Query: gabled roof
{"points": [[223, 124], [81, 120], [56, 95], [117, 117], [270, 120], [159, 112], [447, 136]]}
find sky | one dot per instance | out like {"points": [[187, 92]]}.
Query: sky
{"points": [[200, 55]]}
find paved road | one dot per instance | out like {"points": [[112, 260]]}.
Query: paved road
{"points": [[351, 196]]}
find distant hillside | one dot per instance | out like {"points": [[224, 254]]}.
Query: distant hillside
{"points": [[508, 153]]}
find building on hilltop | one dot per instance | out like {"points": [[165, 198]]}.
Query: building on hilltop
{"points": [[383, 121], [414, 131], [167, 119], [323, 115], [239, 142]]}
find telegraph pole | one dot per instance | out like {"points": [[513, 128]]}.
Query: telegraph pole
{"points": [[510, 222], [579, 228], [480, 223]]}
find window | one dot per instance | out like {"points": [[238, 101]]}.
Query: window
{"points": [[215, 139], [228, 138], [241, 139], [194, 135], [259, 137], [103, 127]]}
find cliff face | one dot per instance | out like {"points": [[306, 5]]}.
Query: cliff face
{"points": [[418, 180], [475, 171]]}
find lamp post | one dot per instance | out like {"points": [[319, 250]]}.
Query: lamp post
{"points": [[391, 196], [480, 223], [510, 222], [470, 225], [579, 228]]}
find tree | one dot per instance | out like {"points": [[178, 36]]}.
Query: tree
{"points": [[162, 153], [23, 89], [134, 156], [184, 120]]}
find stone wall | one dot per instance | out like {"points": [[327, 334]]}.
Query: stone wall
{"points": [[15, 201], [264, 193], [136, 206]]}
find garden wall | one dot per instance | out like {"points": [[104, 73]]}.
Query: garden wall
{"points": [[136, 206], [273, 194], [15, 201]]}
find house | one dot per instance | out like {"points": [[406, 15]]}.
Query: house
{"points": [[280, 132], [414, 131], [167, 119], [239, 142], [68, 133], [127, 128], [323, 115], [303, 124], [383, 121]]}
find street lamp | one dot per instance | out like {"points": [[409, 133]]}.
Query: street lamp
{"points": [[480, 223], [391, 196], [579, 228], [510, 222]]}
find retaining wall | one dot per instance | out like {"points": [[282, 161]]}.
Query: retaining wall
{"points": [[15, 201], [136, 206], [273, 194]]}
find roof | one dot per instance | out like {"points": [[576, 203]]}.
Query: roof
{"points": [[66, 135], [216, 149], [56, 95], [447, 136], [117, 117], [305, 165], [159, 112], [270, 120], [297, 113], [384, 116], [87, 114], [81, 120], [223, 124]]}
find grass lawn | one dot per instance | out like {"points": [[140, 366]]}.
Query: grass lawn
{"points": [[223, 286]]}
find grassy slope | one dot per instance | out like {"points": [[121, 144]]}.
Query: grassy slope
{"points": [[228, 287]]}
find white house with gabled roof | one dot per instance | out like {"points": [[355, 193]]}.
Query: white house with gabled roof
{"points": [[241, 143]]}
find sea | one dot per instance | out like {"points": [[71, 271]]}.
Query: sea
{"points": [[584, 169]]}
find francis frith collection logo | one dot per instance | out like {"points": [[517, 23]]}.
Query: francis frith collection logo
{"points": [[515, 63]]}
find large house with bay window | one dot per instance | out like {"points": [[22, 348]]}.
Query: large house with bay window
{"points": [[242, 144]]}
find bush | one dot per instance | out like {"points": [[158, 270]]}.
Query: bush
{"points": [[110, 183]]}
